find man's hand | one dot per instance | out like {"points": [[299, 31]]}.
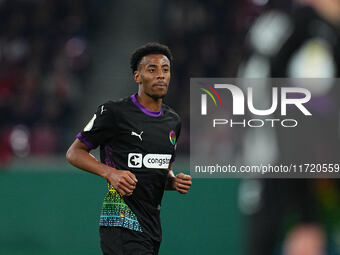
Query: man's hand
{"points": [[182, 183], [123, 181]]}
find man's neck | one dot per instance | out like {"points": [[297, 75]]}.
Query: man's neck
{"points": [[148, 102]]}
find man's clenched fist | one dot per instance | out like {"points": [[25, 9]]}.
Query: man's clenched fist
{"points": [[182, 183]]}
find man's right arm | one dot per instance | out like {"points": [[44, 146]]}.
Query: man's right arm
{"points": [[79, 156]]}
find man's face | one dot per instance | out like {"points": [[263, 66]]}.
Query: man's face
{"points": [[153, 75]]}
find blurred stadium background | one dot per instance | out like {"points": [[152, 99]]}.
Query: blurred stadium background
{"points": [[60, 59]]}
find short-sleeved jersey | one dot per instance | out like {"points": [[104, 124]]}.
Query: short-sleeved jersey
{"points": [[134, 138]]}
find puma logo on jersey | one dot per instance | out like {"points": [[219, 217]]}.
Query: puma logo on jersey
{"points": [[139, 135], [103, 110]]}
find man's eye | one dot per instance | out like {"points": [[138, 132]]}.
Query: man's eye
{"points": [[165, 70], [151, 70]]}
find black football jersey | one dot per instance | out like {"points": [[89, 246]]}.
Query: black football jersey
{"points": [[134, 138]]}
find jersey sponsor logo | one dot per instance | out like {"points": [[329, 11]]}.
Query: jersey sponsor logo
{"points": [[135, 160], [155, 161], [138, 135], [89, 125]]}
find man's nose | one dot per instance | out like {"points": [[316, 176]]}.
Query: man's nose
{"points": [[160, 74]]}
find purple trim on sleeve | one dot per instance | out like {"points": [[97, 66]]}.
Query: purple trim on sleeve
{"points": [[173, 158], [108, 157], [143, 109], [81, 138]]}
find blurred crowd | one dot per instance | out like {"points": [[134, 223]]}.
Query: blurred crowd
{"points": [[44, 56], [207, 39], [261, 39], [45, 59]]}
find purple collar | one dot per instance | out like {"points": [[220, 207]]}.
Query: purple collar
{"points": [[143, 109]]}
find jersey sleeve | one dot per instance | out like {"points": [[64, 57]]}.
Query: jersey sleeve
{"points": [[101, 128], [178, 132]]}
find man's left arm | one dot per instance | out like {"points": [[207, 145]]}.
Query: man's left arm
{"points": [[181, 182]]}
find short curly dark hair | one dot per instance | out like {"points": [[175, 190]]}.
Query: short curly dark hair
{"points": [[147, 49]]}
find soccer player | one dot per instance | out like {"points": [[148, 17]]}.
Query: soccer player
{"points": [[137, 136]]}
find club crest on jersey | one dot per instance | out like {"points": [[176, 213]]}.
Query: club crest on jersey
{"points": [[172, 137]]}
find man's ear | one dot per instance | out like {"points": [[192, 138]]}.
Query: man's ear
{"points": [[136, 76]]}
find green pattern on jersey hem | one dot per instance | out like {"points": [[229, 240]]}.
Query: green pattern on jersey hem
{"points": [[116, 213]]}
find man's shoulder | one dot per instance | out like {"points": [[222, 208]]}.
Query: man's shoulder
{"points": [[167, 110], [113, 105]]}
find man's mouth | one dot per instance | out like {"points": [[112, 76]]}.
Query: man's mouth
{"points": [[160, 84]]}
